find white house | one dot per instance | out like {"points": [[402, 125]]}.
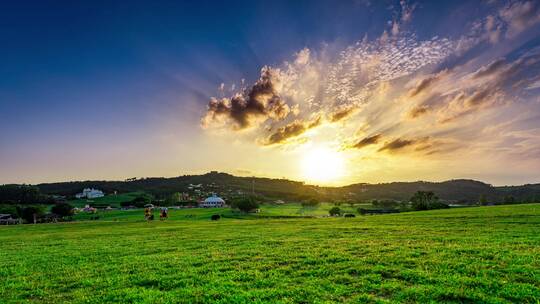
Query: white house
{"points": [[212, 201], [90, 193]]}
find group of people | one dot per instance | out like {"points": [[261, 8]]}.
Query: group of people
{"points": [[149, 214]]}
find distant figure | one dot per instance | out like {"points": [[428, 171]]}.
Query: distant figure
{"points": [[148, 214], [164, 214]]}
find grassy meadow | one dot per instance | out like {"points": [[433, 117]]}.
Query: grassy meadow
{"points": [[464, 255]]}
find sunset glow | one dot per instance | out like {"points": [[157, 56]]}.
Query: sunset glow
{"points": [[323, 165], [453, 88]]}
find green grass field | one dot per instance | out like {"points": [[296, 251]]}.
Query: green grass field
{"points": [[266, 210], [484, 254]]}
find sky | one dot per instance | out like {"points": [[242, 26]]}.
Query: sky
{"points": [[326, 92]]}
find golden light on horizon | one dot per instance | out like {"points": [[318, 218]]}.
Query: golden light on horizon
{"points": [[323, 165]]}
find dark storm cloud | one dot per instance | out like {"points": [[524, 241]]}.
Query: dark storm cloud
{"points": [[260, 101], [294, 129], [370, 140]]}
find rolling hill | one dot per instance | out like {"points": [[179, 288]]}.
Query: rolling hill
{"points": [[458, 190]]}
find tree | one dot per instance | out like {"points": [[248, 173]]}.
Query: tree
{"points": [[30, 213], [8, 209], [62, 209], [174, 199], [385, 204], [245, 204], [426, 200], [23, 194], [141, 200], [310, 203], [509, 199], [334, 211], [482, 200]]}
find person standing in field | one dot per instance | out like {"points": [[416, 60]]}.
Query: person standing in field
{"points": [[164, 214], [148, 214]]}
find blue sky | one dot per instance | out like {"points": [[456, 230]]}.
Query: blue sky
{"points": [[109, 90]]}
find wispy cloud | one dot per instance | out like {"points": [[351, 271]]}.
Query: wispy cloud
{"points": [[520, 16], [397, 144], [370, 140], [293, 129]]}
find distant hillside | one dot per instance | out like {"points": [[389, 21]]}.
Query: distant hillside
{"points": [[459, 190]]}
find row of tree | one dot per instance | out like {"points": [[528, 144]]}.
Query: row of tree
{"points": [[34, 213], [23, 194]]}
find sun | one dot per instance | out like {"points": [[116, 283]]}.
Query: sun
{"points": [[323, 165]]}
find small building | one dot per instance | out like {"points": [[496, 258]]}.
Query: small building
{"points": [[90, 193], [8, 219], [212, 202]]}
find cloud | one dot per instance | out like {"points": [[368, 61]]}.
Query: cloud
{"points": [[395, 28], [426, 83], [293, 129], [493, 29], [418, 111], [261, 101], [490, 69], [534, 85], [519, 16], [386, 84], [370, 140], [510, 74], [464, 104], [406, 11], [341, 114], [397, 144]]}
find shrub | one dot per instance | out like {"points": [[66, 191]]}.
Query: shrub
{"points": [[215, 217], [349, 215], [62, 209], [334, 211], [126, 204]]}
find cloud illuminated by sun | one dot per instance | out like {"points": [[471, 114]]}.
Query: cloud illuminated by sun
{"points": [[390, 101]]}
